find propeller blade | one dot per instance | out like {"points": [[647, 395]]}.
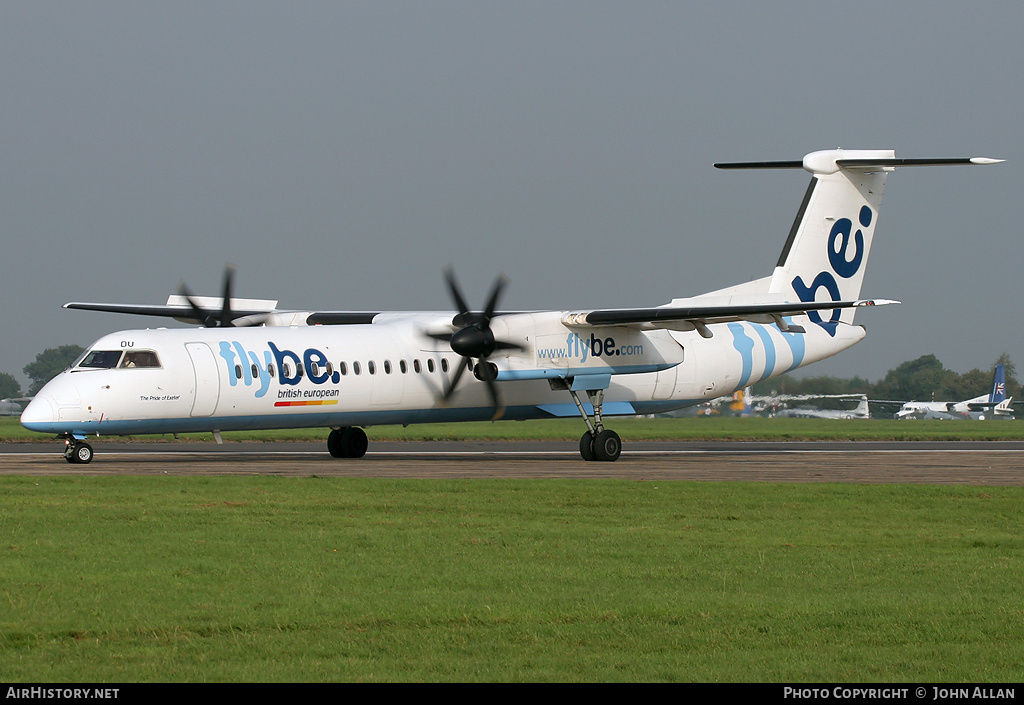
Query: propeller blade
{"points": [[201, 313], [225, 311], [499, 407], [463, 364], [492, 302], [212, 319], [453, 289]]}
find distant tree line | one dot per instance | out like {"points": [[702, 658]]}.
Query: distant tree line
{"points": [[923, 379], [47, 365]]}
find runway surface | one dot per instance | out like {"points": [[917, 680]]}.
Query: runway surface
{"points": [[973, 463]]}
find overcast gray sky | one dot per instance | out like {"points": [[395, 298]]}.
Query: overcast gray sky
{"points": [[342, 153]]}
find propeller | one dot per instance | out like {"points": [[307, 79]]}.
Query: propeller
{"points": [[213, 319], [475, 340]]}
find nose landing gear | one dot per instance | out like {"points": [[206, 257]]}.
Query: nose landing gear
{"points": [[77, 451]]}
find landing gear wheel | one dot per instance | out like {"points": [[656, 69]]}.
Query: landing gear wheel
{"points": [[334, 446], [607, 446], [355, 443], [347, 443], [587, 447], [78, 452]]}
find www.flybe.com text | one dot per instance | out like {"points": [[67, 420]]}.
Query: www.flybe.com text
{"points": [[582, 348]]}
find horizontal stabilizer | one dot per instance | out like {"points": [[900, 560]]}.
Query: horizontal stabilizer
{"points": [[830, 161]]}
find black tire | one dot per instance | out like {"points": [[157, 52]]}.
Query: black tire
{"points": [[354, 441], [587, 447], [82, 453], [607, 446], [334, 443]]}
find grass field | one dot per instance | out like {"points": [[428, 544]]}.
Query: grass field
{"points": [[250, 579], [720, 428], [241, 579]]}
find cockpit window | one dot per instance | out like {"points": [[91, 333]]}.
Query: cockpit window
{"points": [[140, 358], [101, 359]]}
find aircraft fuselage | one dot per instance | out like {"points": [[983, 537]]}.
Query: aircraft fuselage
{"points": [[390, 372]]}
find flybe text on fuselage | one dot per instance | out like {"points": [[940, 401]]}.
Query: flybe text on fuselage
{"points": [[289, 367]]}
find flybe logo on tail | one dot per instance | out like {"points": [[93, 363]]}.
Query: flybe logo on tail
{"points": [[845, 257]]}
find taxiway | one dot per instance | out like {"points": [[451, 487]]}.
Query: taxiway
{"points": [[974, 463]]}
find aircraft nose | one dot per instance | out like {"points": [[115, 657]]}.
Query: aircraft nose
{"points": [[39, 414]]}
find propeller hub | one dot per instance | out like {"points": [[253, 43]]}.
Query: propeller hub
{"points": [[473, 341]]}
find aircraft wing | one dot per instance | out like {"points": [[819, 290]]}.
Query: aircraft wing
{"points": [[180, 312], [697, 317], [983, 405], [242, 312]]}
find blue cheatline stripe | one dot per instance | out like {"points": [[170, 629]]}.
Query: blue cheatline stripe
{"points": [[744, 345], [797, 344], [769, 351]]}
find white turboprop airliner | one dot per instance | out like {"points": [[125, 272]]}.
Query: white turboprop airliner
{"points": [[995, 403], [255, 366], [862, 411]]}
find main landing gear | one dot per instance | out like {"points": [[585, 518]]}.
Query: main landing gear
{"points": [[347, 443], [598, 443], [77, 451]]}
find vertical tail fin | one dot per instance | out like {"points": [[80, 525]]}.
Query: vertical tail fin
{"points": [[827, 249], [828, 246], [998, 392]]}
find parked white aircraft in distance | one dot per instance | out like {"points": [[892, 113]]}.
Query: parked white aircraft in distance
{"points": [[255, 366], [861, 411], [993, 405], [9, 407]]}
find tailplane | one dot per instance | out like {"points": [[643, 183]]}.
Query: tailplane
{"points": [[827, 249]]}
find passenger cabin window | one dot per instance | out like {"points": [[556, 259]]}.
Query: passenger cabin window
{"points": [[101, 359], [140, 358]]}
